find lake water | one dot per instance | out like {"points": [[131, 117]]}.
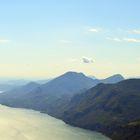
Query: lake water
{"points": [[21, 124]]}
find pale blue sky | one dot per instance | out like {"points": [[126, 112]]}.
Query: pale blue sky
{"points": [[49, 37]]}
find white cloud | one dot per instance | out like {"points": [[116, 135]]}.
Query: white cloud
{"points": [[87, 60], [95, 30], [135, 31], [114, 39], [133, 40], [64, 41], [117, 39]]}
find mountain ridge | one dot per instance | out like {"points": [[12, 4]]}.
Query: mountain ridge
{"points": [[85, 103]]}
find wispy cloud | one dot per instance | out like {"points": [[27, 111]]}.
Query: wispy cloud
{"points": [[135, 31], [63, 41], [4, 40], [133, 40], [114, 39], [87, 60], [95, 30]]}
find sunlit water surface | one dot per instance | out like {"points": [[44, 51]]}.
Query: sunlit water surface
{"points": [[21, 124]]}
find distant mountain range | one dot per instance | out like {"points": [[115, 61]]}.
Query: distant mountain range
{"points": [[49, 96], [108, 105], [10, 84], [6, 85]]}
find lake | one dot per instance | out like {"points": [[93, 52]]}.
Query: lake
{"points": [[22, 124]]}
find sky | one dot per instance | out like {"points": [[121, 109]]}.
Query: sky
{"points": [[45, 38]]}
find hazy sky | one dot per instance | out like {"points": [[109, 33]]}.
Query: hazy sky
{"points": [[44, 38]]}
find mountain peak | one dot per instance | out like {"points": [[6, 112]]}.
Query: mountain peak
{"points": [[72, 73], [69, 83], [113, 79], [119, 76]]}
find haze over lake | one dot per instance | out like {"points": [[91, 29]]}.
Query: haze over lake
{"points": [[21, 124]]}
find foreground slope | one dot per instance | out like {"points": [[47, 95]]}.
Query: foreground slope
{"points": [[107, 108]]}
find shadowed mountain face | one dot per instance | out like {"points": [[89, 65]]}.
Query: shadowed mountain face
{"points": [[107, 108]]}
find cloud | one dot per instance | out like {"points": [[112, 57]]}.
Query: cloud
{"points": [[114, 39], [95, 30], [64, 41], [4, 40], [135, 31], [87, 60], [133, 40]]}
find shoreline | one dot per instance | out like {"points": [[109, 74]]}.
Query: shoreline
{"points": [[60, 119]]}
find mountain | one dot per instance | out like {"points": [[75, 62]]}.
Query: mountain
{"points": [[82, 101], [93, 77], [50, 96], [13, 96], [44, 81], [6, 84], [130, 131], [69, 83], [18, 82], [110, 80], [107, 108], [6, 87], [113, 79]]}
